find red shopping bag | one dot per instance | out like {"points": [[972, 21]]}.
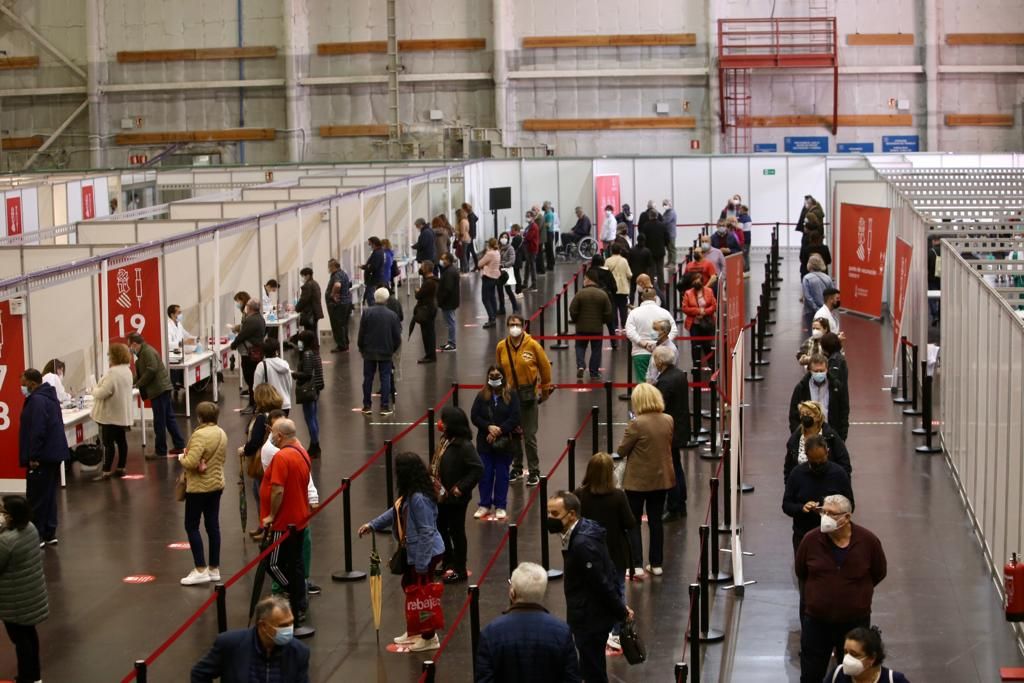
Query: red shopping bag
{"points": [[423, 611]]}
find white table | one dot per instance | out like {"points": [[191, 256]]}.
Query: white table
{"points": [[80, 428], [287, 325], [198, 367]]}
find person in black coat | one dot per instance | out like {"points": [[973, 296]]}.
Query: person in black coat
{"points": [[832, 348], [592, 602], [380, 336], [811, 424], [820, 382], [42, 447], [425, 312], [676, 392], [448, 298], [640, 262], [426, 245], [807, 486], [457, 466], [310, 306], [373, 270], [655, 233]]}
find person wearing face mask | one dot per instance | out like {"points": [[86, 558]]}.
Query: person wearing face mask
{"points": [[112, 410], [662, 340], [489, 266], [641, 264], [53, 374], [675, 393], [828, 390], [669, 218], [309, 382], [590, 310], [640, 330], [526, 643], [495, 414], [863, 654], [424, 313], [814, 284], [531, 252], [508, 279], [310, 305], [249, 344], [656, 235], [699, 305], [42, 447], [177, 335], [715, 256], [812, 423], [625, 217], [724, 240], [812, 345], [592, 601], [831, 302], [269, 647], [808, 485], [618, 266], [811, 207], [832, 348], [456, 466], [702, 265], [732, 207], [374, 275], [154, 383], [608, 230], [379, 340], [526, 368], [839, 565], [23, 600]]}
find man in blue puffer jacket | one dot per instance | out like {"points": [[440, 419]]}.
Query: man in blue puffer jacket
{"points": [[42, 447]]}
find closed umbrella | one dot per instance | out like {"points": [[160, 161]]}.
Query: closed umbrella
{"points": [[376, 586], [261, 572]]}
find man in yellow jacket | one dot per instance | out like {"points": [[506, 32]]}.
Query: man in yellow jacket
{"points": [[528, 371]]}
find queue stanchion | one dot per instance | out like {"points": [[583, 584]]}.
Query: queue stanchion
{"points": [[680, 672], [717, 575], [576, 282], [570, 445], [455, 394], [673, 281], [513, 547], [753, 376], [140, 671], [565, 310], [431, 426], [694, 620], [346, 514], [543, 311], [608, 416], [699, 431], [758, 333], [628, 393], [711, 452], [726, 526], [693, 442], [903, 373], [926, 414], [429, 671], [474, 620], [561, 323], [389, 470], [766, 293], [222, 607], [707, 634], [595, 425], [914, 410], [545, 551], [777, 256]]}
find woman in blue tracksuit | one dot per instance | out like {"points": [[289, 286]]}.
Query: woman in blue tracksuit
{"points": [[416, 525], [495, 414]]}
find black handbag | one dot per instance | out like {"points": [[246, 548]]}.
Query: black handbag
{"points": [[305, 392], [399, 560], [632, 647], [527, 394]]}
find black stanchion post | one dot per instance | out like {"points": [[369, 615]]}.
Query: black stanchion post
{"points": [[429, 671], [222, 607], [717, 575], [628, 394], [680, 672], [608, 416], [759, 332], [914, 410], [753, 376], [140, 671], [775, 256], [726, 526], [926, 414], [562, 317], [543, 312], [431, 426], [571, 464], [693, 442], [513, 546], [707, 634], [474, 620], [673, 293], [576, 282], [455, 394], [903, 373], [389, 470], [346, 514], [699, 432], [545, 551], [711, 452], [595, 425], [693, 634]]}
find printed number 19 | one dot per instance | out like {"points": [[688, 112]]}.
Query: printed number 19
{"points": [[138, 323]]}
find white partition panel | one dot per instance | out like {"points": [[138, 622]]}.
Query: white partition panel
{"points": [[807, 176], [729, 176], [769, 197], [181, 287], [243, 209], [653, 181], [75, 335], [575, 188], [691, 190], [625, 169], [540, 184], [106, 233], [192, 210]]}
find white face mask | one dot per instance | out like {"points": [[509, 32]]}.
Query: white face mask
{"points": [[816, 333], [828, 525], [852, 666], [515, 331]]}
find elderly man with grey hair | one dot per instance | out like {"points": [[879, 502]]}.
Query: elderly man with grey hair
{"points": [[669, 218], [663, 329], [526, 643], [839, 566], [674, 388], [814, 285], [380, 336], [267, 647]]}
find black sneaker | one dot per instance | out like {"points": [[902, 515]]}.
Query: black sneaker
{"points": [[514, 476], [313, 589], [579, 373], [533, 480], [448, 347]]}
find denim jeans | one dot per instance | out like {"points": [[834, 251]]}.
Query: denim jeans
{"points": [[620, 586], [206, 506], [449, 319], [309, 411], [494, 483], [595, 354], [163, 422], [370, 367]]}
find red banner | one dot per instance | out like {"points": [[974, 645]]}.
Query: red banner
{"points": [[607, 192], [863, 237], [133, 303], [14, 222], [901, 282], [88, 203], [12, 364]]}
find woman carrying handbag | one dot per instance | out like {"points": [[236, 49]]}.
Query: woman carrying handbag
{"points": [[309, 383], [203, 478], [495, 414]]}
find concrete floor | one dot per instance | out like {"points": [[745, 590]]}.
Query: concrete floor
{"points": [[938, 609]]}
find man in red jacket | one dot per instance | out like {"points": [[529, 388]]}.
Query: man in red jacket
{"points": [[532, 242], [839, 566]]}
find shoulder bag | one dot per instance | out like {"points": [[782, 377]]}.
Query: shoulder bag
{"points": [[399, 561], [181, 484], [305, 391], [632, 646], [527, 394]]}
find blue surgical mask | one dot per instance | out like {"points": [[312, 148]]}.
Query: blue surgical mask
{"points": [[818, 377], [24, 391], [283, 635]]}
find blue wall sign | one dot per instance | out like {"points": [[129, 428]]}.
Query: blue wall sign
{"points": [[763, 147], [855, 147], [901, 143], [807, 145]]}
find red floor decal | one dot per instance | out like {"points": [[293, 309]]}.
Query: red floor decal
{"points": [[139, 578], [179, 545]]}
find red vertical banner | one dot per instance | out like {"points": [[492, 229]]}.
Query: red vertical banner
{"points": [[12, 365], [88, 203], [607, 191], [734, 304], [863, 239], [901, 282], [14, 219], [133, 302]]}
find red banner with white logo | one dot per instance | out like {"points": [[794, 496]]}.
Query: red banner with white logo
{"points": [[15, 224], [863, 239], [901, 282], [133, 303], [88, 202], [607, 191], [12, 365]]}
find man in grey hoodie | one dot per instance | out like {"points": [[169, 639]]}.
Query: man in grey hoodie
{"points": [[275, 371]]}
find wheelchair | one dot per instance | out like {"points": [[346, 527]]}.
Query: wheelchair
{"points": [[582, 250]]}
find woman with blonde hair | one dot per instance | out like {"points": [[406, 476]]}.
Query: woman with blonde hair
{"points": [[607, 505], [647, 447], [256, 433], [462, 231], [812, 423], [203, 464], [112, 409]]}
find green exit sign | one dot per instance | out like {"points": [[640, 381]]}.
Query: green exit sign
{"points": [[768, 171]]}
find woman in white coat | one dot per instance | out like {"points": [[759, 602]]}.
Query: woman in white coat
{"points": [[112, 409]]}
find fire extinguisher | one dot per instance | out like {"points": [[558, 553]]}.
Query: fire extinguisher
{"points": [[1013, 579]]}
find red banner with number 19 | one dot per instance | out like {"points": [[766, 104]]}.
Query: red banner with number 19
{"points": [[12, 364], [133, 303]]}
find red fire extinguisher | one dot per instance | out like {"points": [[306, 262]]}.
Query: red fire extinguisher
{"points": [[1013, 579]]}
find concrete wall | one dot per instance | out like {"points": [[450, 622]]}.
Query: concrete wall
{"points": [[185, 95]]}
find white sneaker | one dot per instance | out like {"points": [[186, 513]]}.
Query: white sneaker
{"points": [[655, 570], [405, 639], [481, 512], [638, 571], [500, 514], [214, 575], [421, 645], [196, 577], [613, 642]]}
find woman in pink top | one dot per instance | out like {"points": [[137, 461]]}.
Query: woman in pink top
{"points": [[490, 270], [462, 221]]}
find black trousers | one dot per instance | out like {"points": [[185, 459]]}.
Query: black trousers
{"points": [[339, 315], [818, 639], [549, 250], [41, 485], [429, 334], [249, 374], [26, 646], [451, 522], [590, 646], [114, 435], [285, 565]]}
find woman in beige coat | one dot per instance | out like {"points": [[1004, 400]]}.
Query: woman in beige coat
{"points": [[203, 463], [647, 447], [112, 409]]}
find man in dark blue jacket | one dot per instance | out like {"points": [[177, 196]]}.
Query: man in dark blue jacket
{"points": [[527, 643], [426, 246], [808, 485], [42, 447], [373, 270], [266, 652], [380, 336], [592, 602]]}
